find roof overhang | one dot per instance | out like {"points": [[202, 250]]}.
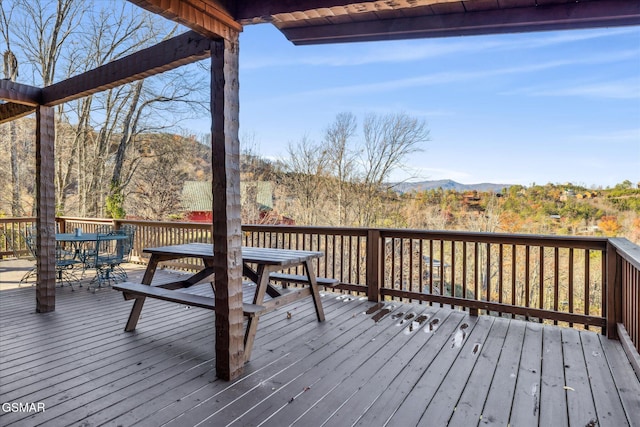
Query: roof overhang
{"points": [[446, 19], [331, 21]]}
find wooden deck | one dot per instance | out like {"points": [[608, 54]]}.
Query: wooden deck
{"points": [[439, 367]]}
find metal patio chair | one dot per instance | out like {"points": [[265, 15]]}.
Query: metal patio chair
{"points": [[112, 249], [66, 261]]}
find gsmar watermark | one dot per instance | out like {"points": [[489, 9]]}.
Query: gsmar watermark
{"points": [[23, 407]]}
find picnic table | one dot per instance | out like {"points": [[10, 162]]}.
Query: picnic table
{"points": [[258, 265]]}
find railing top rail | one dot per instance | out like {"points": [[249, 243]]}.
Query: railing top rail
{"points": [[581, 242], [82, 219], [627, 250], [350, 231], [9, 220]]}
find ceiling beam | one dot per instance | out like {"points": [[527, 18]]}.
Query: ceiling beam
{"points": [[19, 93], [167, 55], [11, 111], [589, 14], [212, 18]]}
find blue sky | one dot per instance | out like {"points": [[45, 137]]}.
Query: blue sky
{"points": [[517, 109]]}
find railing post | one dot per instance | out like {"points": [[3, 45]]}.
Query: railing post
{"points": [[62, 225], [613, 285], [374, 264]]}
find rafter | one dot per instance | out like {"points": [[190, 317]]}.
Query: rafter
{"points": [[11, 111], [19, 93], [251, 11], [209, 17], [574, 15], [167, 55]]}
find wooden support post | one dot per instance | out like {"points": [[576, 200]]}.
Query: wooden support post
{"points": [[46, 214], [227, 242], [374, 264]]}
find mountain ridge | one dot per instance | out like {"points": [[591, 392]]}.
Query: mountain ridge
{"points": [[446, 184]]}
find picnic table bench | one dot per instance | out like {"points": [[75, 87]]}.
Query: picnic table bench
{"points": [[260, 265], [302, 279], [138, 290]]}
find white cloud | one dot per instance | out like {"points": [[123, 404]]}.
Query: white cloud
{"points": [[623, 136], [371, 53], [619, 89]]}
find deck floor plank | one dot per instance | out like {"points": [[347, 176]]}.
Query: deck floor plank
{"points": [[335, 386], [305, 358], [365, 373], [350, 410], [468, 409], [580, 406], [624, 376], [424, 389], [392, 396], [497, 407], [330, 335], [267, 351], [552, 382], [98, 349], [168, 402], [443, 404], [157, 396], [526, 398], [607, 400], [348, 370]]}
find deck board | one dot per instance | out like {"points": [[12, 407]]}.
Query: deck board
{"points": [[580, 404], [624, 378], [365, 374], [370, 391], [469, 407], [525, 409], [497, 407], [607, 401], [452, 387], [421, 394], [349, 370], [552, 382], [394, 394]]}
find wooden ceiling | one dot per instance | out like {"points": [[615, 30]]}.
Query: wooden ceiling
{"points": [[333, 21]]}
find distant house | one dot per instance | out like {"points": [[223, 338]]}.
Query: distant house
{"points": [[197, 202], [587, 195]]}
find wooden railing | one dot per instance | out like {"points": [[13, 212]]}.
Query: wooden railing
{"points": [[12, 232], [555, 279], [585, 282], [624, 297]]}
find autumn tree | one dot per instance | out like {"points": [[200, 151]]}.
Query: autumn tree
{"points": [[609, 225]]}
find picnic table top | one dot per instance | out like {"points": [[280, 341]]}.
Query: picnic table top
{"points": [[267, 256]]}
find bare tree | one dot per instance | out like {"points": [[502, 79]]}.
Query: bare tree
{"points": [[306, 169], [155, 189], [96, 136], [10, 69], [45, 30], [342, 159], [351, 179], [388, 141]]}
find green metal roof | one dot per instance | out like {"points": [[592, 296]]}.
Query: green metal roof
{"points": [[197, 195]]}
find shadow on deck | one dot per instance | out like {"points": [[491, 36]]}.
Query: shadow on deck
{"points": [[417, 365]]}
